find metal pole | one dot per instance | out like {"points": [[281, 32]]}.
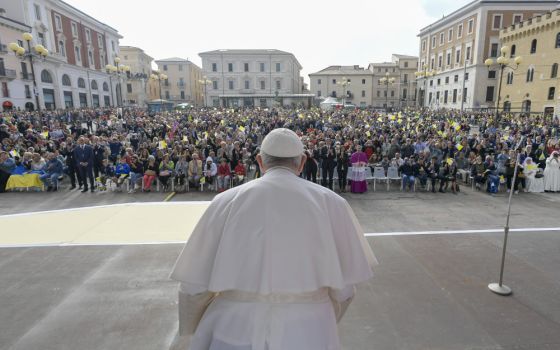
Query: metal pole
{"points": [[160, 99], [111, 83], [463, 97], [502, 66], [35, 88], [499, 288]]}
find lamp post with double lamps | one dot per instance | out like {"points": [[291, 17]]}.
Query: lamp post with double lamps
{"points": [[22, 53], [205, 81], [159, 76], [386, 80], [502, 63], [344, 83], [119, 71], [424, 74]]}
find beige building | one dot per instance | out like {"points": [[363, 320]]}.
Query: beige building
{"points": [[364, 87], [136, 84], [534, 86], [183, 81], [15, 78], [249, 78], [351, 83], [453, 50], [153, 88]]}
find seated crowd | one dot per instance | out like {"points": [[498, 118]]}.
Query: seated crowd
{"points": [[217, 148]]}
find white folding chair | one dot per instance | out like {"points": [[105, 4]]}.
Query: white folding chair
{"points": [[378, 174], [393, 174]]}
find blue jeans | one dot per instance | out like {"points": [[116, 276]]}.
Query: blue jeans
{"points": [[51, 179], [408, 179]]}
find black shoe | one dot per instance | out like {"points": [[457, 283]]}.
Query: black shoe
{"points": [[49, 188], [441, 191], [92, 190], [73, 187], [85, 190], [55, 189]]}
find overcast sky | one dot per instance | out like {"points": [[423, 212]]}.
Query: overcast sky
{"points": [[318, 33]]}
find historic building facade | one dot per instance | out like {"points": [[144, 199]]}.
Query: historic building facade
{"points": [[453, 50], [535, 85], [183, 83], [247, 78], [73, 74], [136, 84]]}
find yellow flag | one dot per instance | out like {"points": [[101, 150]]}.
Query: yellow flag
{"points": [[459, 147], [379, 119], [14, 153], [399, 121], [45, 134], [392, 117], [190, 118], [440, 133], [162, 144], [223, 122], [202, 180], [449, 161], [242, 128], [185, 139], [206, 134], [368, 133]]}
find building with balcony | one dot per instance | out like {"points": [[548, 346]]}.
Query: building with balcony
{"points": [[535, 85], [253, 78], [136, 87], [363, 87], [80, 46], [15, 76], [183, 81], [453, 49]]}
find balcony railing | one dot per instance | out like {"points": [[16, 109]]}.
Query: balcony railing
{"points": [[26, 76], [7, 73], [179, 84]]}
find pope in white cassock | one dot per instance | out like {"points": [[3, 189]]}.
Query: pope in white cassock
{"points": [[272, 264]]}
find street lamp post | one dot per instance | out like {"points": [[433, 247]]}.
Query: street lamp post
{"points": [[344, 83], [205, 81], [40, 52], [425, 74], [387, 81], [502, 62], [159, 76], [117, 70]]}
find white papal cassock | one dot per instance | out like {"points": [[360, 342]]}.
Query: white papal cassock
{"points": [[278, 249]]}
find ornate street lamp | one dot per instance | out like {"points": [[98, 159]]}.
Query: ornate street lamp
{"points": [[386, 80], [118, 71], [205, 81], [344, 83], [40, 53], [159, 76], [424, 74], [502, 63]]}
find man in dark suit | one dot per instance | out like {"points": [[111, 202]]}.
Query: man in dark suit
{"points": [[328, 156], [84, 161], [73, 170]]}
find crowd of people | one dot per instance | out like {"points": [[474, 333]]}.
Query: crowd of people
{"points": [[216, 149]]}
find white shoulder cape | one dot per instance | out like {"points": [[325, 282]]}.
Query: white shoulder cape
{"points": [[277, 234]]}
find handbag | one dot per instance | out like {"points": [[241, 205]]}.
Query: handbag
{"points": [[164, 173]]}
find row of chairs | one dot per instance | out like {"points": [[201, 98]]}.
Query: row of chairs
{"points": [[377, 175]]}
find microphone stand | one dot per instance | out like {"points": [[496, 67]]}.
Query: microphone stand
{"points": [[500, 288]]}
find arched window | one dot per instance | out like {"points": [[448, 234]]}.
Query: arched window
{"points": [[526, 106], [554, 71], [81, 83], [551, 93], [512, 51], [46, 77], [534, 46], [105, 86], [66, 80], [530, 74], [93, 85], [558, 41], [507, 106]]}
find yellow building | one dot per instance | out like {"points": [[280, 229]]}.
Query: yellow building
{"points": [[183, 83], [140, 63], [534, 85]]}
